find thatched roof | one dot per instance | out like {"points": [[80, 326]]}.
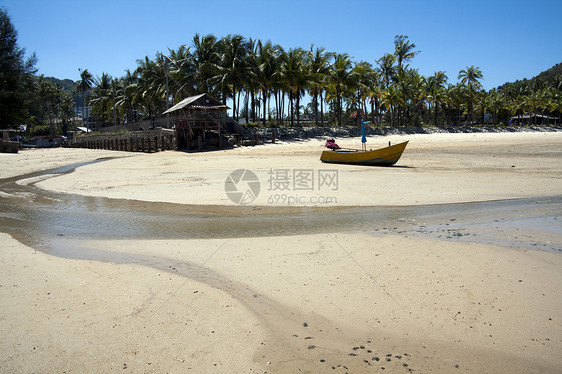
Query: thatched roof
{"points": [[202, 102]]}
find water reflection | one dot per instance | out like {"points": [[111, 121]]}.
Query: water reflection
{"points": [[34, 215]]}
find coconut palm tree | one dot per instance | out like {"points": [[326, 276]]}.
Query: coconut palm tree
{"points": [[101, 98], [340, 80], [268, 73], [318, 66], [403, 50], [364, 82], [85, 83], [470, 78], [125, 99], [295, 77], [497, 103], [181, 72], [386, 68], [151, 88], [206, 58], [482, 104], [391, 100], [435, 86], [233, 67]]}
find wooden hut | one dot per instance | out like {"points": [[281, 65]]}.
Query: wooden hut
{"points": [[196, 118]]}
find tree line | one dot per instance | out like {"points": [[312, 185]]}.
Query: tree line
{"points": [[266, 83]]}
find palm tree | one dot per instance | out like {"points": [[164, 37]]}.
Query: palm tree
{"points": [[125, 98], [403, 50], [497, 103], [295, 77], [85, 83], [364, 81], [206, 59], [101, 96], [470, 78], [267, 73], [435, 86], [151, 88], [233, 66], [386, 68], [318, 66], [181, 71], [340, 81], [390, 100], [482, 104]]}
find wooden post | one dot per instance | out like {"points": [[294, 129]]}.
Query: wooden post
{"points": [[155, 144], [238, 140], [256, 139], [148, 145], [219, 143], [199, 143], [273, 137], [142, 144]]}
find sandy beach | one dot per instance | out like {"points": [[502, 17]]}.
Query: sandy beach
{"points": [[423, 274]]}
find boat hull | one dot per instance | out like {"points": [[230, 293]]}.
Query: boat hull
{"points": [[378, 157]]}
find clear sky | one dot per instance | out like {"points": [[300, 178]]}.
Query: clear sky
{"points": [[507, 39]]}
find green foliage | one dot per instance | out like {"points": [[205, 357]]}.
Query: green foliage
{"points": [[15, 75], [266, 83], [24, 97], [68, 85]]}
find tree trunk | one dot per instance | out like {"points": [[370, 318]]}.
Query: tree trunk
{"points": [[292, 108], [234, 114], [298, 109], [276, 107], [315, 101], [321, 109], [264, 93], [253, 98]]}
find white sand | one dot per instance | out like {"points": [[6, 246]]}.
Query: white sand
{"points": [[432, 304], [437, 168]]}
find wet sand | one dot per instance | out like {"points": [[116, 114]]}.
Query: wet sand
{"points": [[407, 293]]}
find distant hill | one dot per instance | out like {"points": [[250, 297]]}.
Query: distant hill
{"points": [[548, 75], [67, 84], [552, 77]]}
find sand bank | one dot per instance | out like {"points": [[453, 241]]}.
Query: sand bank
{"points": [[434, 169], [331, 302]]}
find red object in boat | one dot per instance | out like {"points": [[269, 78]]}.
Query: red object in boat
{"points": [[330, 143]]}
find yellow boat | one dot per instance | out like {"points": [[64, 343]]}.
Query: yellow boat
{"points": [[379, 157]]}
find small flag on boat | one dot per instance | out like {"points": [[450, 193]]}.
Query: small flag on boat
{"points": [[363, 137]]}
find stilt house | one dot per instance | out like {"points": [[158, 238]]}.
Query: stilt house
{"points": [[197, 119]]}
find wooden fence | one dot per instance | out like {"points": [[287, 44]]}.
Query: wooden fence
{"points": [[137, 141]]}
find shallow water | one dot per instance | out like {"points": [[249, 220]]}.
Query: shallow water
{"points": [[57, 223], [36, 217]]}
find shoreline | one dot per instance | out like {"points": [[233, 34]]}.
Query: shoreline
{"points": [[318, 302], [306, 133], [444, 168]]}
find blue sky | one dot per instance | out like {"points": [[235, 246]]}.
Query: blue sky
{"points": [[507, 40]]}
